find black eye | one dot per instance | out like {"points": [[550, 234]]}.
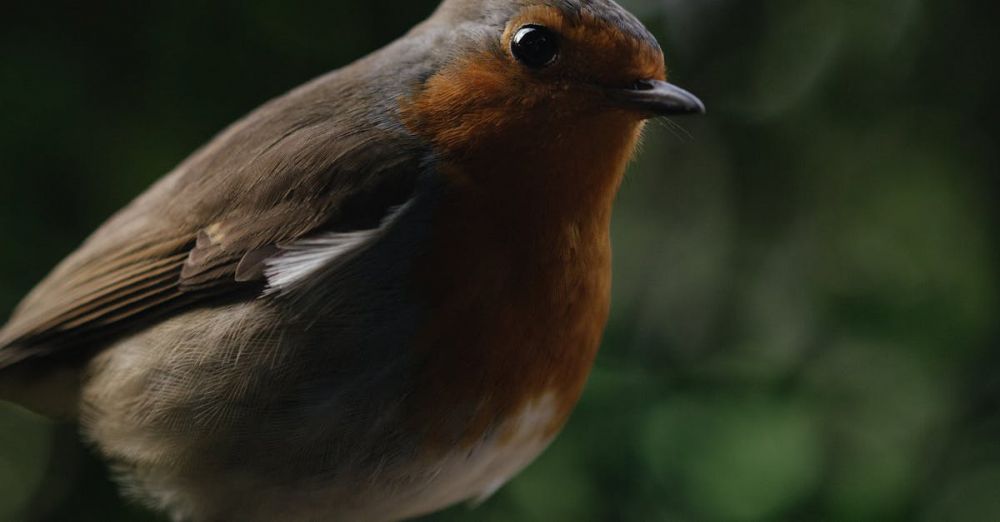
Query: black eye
{"points": [[535, 46]]}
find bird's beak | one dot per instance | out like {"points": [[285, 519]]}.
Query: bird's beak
{"points": [[657, 98]]}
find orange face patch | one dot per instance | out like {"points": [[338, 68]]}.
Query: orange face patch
{"points": [[484, 97], [593, 51]]}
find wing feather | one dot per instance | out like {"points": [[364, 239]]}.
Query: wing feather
{"points": [[292, 169]]}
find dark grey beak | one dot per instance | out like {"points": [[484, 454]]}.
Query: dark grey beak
{"points": [[658, 98]]}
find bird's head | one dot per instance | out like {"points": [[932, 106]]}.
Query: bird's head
{"points": [[571, 80]]}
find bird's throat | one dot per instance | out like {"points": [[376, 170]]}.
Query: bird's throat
{"points": [[559, 147]]}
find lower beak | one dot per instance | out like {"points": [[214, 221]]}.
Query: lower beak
{"points": [[657, 98]]}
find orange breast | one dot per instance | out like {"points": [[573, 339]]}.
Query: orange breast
{"points": [[519, 266], [518, 272], [518, 310]]}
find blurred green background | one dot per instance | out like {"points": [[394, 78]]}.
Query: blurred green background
{"points": [[805, 311]]}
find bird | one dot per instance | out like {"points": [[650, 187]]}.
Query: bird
{"points": [[375, 296]]}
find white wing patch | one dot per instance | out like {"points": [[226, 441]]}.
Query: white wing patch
{"points": [[300, 260]]}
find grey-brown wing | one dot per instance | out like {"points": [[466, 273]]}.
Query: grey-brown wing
{"points": [[289, 169]]}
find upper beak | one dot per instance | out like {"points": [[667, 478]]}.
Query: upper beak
{"points": [[658, 98]]}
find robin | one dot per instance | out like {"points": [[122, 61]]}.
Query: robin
{"points": [[373, 297]]}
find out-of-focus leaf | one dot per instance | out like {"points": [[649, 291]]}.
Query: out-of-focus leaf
{"points": [[733, 457], [24, 439]]}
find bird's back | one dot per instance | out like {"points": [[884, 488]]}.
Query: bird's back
{"points": [[328, 154]]}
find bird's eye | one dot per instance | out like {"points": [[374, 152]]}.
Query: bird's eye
{"points": [[535, 46]]}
